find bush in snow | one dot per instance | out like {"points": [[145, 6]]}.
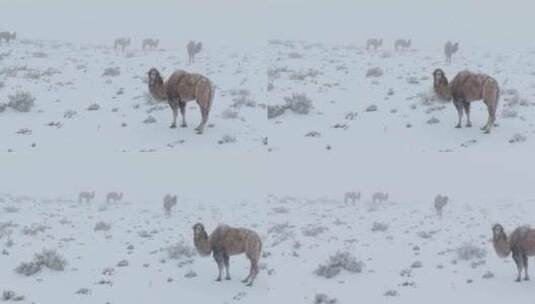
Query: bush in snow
{"points": [[46, 258], [299, 103], [371, 108], [379, 227], [275, 111], [374, 72], [93, 107], [102, 226], [180, 251], [229, 114], [338, 262], [149, 120], [469, 252], [517, 138], [227, 139], [21, 101], [28, 269], [3, 107], [69, 114], [112, 72], [314, 231], [324, 299]]}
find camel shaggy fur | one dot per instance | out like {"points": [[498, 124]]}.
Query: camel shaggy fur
{"points": [[193, 49], [440, 202], [402, 44], [375, 43], [450, 49], [123, 43], [521, 243], [351, 197], [7, 36], [150, 43], [180, 88], [88, 196], [114, 196], [169, 202], [226, 241], [465, 88]]}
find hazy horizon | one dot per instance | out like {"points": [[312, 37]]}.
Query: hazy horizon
{"points": [[240, 21]]}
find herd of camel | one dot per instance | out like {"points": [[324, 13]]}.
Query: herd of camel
{"points": [[226, 241]]}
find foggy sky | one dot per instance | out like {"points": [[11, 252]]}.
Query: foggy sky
{"points": [[427, 22]]}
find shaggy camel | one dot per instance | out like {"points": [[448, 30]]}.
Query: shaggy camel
{"points": [[226, 241], [379, 197], [7, 36], [88, 196], [351, 197], [193, 49], [465, 88], [114, 196], [440, 202], [150, 43], [375, 43], [169, 202], [180, 88], [123, 43], [521, 243], [450, 49], [402, 44]]}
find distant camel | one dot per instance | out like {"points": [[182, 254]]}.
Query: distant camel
{"points": [[375, 43], [351, 197], [521, 242], [440, 202], [114, 196], [450, 49], [88, 196], [150, 43], [123, 43], [226, 241], [7, 36], [193, 49], [379, 197], [465, 88], [169, 202], [402, 44]]}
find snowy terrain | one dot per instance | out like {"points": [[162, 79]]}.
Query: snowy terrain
{"points": [[66, 79], [285, 177]]}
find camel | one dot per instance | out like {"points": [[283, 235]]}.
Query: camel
{"points": [[440, 202], [450, 49], [150, 43], [375, 43], [379, 197], [169, 202], [123, 43], [193, 49], [7, 36], [521, 243], [226, 241], [114, 196], [351, 197], [88, 196], [465, 88], [402, 44], [180, 88]]}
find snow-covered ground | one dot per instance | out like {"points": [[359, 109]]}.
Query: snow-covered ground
{"points": [[284, 177], [65, 79]]}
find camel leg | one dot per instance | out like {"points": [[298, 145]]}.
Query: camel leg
{"points": [[466, 106], [525, 262], [218, 257], [204, 114], [174, 108], [459, 106], [182, 106], [518, 262], [254, 272], [227, 265], [250, 272]]}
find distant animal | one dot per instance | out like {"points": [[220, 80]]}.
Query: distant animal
{"points": [[351, 197], [169, 202], [180, 88], [402, 44], [7, 36], [150, 43], [374, 43], [193, 49], [521, 243], [226, 241], [440, 202], [465, 88], [122, 43], [450, 48], [88, 196], [114, 196], [379, 197]]}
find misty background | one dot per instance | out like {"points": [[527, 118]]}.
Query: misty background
{"points": [[428, 23]]}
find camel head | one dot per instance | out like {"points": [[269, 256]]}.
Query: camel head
{"points": [[199, 232], [498, 232], [440, 84], [455, 46], [154, 77]]}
